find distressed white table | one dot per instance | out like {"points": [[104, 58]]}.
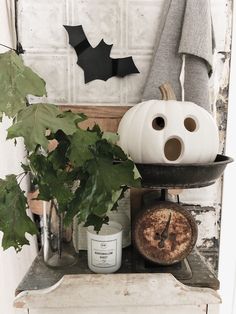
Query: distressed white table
{"points": [[129, 291]]}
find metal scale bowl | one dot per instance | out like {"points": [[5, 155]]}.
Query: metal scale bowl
{"points": [[165, 232]]}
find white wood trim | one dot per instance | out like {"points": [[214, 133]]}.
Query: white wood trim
{"points": [[21, 311], [213, 309], [115, 289], [227, 266], [185, 309], [234, 294]]}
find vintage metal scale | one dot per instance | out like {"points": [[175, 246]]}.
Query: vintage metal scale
{"points": [[164, 232]]}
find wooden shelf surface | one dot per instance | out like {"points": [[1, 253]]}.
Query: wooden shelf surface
{"points": [[194, 272]]}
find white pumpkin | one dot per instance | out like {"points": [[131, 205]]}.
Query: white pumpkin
{"points": [[169, 131]]}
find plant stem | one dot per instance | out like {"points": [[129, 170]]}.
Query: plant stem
{"points": [[50, 235], [21, 174], [60, 230], [22, 178], [60, 234]]}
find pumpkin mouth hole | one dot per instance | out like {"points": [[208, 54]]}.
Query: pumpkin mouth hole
{"points": [[190, 124], [173, 149], [158, 123]]}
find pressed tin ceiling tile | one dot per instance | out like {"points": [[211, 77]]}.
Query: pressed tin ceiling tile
{"points": [[131, 25], [135, 83], [97, 91], [41, 24], [53, 68], [143, 18], [220, 21], [100, 20]]}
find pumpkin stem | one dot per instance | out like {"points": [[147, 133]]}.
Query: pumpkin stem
{"points": [[167, 92]]}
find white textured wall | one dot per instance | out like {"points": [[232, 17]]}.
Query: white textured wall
{"points": [[130, 25], [12, 266], [227, 269]]}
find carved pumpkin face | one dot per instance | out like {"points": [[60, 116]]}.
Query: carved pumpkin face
{"points": [[169, 131]]}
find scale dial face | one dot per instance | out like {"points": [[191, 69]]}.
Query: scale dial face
{"points": [[165, 234]]}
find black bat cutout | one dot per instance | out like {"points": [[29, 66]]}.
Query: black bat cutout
{"points": [[96, 62]]}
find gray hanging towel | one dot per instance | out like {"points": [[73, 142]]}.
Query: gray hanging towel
{"points": [[186, 30]]}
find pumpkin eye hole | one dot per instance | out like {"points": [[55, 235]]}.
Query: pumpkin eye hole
{"points": [[190, 124], [173, 149], [158, 123]]}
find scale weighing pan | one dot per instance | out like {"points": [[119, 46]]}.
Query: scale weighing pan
{"points": [[183, 176]]}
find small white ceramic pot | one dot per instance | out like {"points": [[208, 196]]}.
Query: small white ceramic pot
{"points": [[105, 248]]}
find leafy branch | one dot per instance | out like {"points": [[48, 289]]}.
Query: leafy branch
{"points": [[85, 174]]}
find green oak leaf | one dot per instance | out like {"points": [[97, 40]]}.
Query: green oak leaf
{"points": [[17, 82], [53, 182], [96, 128], [96, 221], [71, 118], [25, 167], [102, 188], [111, 137], [33, 122], [58, 156], [109, 150], [56, 186], [80, 148], [14, 222]]}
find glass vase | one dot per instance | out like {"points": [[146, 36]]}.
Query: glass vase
{"points": [[58, 249]]}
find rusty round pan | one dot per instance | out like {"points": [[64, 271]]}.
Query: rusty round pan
{"points": [[184, 176]]}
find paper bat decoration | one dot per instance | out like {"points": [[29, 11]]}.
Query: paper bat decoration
{"points": [[96, 62]]}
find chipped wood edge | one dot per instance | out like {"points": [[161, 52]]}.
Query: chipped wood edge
{"points": [[80, 291], [98, 111]]}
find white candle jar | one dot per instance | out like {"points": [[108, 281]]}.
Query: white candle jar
{"points": [[105, 248]]}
